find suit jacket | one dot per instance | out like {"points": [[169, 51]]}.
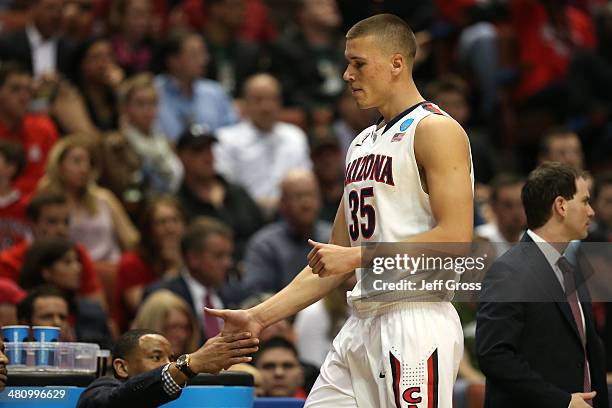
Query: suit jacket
{"points": [[143, 390], [15, 46], [178, 286], [527, 341]]}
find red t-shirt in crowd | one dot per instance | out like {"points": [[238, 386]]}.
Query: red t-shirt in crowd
{"points": [[543, 55], [11, 261], [14, 226], [37, 135], [133, 271]]}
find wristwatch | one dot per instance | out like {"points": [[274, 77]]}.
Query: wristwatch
{"points": [[182, 363]]}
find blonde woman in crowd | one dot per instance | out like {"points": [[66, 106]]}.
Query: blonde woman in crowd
{"points": [[168, 314], [257, 377], [97, 219]]}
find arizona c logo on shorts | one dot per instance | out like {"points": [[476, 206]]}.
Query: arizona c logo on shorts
{"points": [[409, 397]]}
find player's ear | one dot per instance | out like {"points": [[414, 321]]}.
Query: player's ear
{"points": [[397, 63]]}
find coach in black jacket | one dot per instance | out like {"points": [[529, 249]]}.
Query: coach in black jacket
{"points": [[145, 377], [530, 328]]}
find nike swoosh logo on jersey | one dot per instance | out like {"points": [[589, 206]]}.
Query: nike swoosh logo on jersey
{"points": [[364, 139]]}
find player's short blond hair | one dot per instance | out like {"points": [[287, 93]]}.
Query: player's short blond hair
{"points": [[392, 32]]}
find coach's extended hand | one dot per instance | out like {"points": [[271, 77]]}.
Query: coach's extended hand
{"points": [[328, 259], [223, 351]]}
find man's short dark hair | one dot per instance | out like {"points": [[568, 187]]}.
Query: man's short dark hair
{"points": [[41, 200], [25, 310], [544, 184], [13, 154], [128, 342], [501, 181], [173, 45], [199, 231], [10, 68], [275, 342]]}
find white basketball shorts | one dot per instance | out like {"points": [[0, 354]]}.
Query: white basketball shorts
{"points": [[404, 358]]}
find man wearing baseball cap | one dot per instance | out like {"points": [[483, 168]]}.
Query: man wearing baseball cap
{"points": [[206, 193]]}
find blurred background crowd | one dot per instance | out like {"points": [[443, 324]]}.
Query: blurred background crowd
{"points": [[159, 156]]}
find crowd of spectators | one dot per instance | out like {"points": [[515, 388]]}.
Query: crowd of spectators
{"points": [[157, 157]]}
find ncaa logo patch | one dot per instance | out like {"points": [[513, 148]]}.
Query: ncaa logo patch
{"points": [[406, 124]]}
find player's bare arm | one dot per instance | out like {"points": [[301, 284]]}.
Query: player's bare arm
{"points": [[442, 152], [305, 289]]}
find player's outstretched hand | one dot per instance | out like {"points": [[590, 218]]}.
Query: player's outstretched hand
{"points": [[237, 321], [579, 399], [223, 351], [329, 259]]}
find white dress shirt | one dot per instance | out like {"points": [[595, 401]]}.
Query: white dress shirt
{"points": [[198, 293], [258, 161], [44, 52], [491, 232], [312, 326]]}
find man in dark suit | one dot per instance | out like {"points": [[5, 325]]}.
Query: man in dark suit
{"points": [[207, 248], [535, 337], [39, 46], [145, 377]]}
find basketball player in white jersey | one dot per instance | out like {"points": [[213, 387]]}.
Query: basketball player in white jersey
{"points": [[408, 179]]}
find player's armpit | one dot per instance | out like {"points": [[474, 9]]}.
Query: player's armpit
{"points": [[441, 149], [339, 234]]}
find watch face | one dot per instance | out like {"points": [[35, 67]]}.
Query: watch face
{"points": [[182, 363], [182, 360]]}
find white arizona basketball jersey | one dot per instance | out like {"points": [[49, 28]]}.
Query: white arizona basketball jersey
{"points": [[384, 200]]}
